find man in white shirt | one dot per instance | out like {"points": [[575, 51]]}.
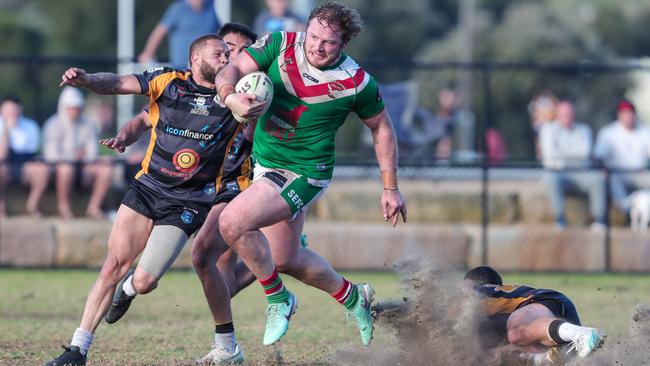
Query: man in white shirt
{"points": [[70, 144], [19, 143], [623, 147], [565, 147]]}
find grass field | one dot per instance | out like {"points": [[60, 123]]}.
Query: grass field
{"points": [[40, 309]]}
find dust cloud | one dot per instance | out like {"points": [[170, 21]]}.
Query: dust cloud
{"points": [[433, 325]]}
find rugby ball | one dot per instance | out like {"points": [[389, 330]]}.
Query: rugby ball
{"points": [[257, 83]]}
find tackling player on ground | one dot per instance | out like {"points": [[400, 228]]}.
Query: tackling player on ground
{"points": [[316, 85], [197, 157], [536, 321]]}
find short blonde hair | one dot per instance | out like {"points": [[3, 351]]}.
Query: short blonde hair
{"points": [[337, 15]]}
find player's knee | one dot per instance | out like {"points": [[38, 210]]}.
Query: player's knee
{"points": [[516, 337], [200, 257], [144, 284], [113, 270], [230, 227], [285, 265]]}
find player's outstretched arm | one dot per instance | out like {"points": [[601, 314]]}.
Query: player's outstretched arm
{"points": [[129, 133], [101, 82], [385, 144], [239, 103]]}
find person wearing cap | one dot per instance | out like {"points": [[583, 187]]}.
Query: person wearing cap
{"points": [[70, 145], [623, 147], [565, 150]]}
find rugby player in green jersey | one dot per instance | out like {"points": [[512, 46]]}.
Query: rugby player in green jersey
{"points": [[316, 85]]}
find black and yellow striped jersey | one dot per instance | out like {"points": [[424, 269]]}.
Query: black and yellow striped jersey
{"points": [[505, 299], [196, 146]]}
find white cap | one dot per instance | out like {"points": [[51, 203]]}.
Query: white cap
{"points": [[71, 97]]}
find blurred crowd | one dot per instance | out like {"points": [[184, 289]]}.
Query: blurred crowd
{"points": [[66, 152], [611, 166]]}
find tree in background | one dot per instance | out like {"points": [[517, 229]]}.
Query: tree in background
{"points": [[541, 31], [544, 32]]}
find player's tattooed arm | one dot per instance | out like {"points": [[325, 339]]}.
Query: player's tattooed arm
{"points": [[101, 82], [104, 83]]}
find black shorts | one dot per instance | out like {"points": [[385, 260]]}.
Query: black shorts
{"points": [[558, 304], [232, 185], [188, 216], [15, 165], [227, 192]]}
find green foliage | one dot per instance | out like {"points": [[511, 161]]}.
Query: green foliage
{"points": [[532, 32], [539, 31]]}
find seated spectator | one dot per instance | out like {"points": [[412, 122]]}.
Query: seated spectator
{"points": [[565, 147], [278, 17], [435, 137], [19, 143], [623, 146], [542, 110], [70, 143]]}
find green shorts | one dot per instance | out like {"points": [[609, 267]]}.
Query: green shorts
{"points": [[297, 190]]}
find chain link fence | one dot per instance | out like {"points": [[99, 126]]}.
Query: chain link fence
{"points": [[473, 168]]}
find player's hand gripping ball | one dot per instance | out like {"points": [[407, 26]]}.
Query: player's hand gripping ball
{"points": [[259, 84]]}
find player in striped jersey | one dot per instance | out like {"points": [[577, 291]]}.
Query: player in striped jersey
{"points": [[197, 157], [531, 319]]}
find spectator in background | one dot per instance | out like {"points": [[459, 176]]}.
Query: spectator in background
{"points": [[184, 21], [542, 109], [565, 147], [495, 147], [278, 17], [624, 147], [435, 137], [19, 143], [70, 143]]}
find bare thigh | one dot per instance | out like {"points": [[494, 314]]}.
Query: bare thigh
{"points": [[129, 234], [284, 238], [260, 205]]}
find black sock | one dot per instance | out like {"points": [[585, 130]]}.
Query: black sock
{"points": [[224, 328], [554, 331]]}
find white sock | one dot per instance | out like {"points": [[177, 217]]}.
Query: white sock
{"points": [[226, 340], [82, 339], [128, 288], [568, 331]]}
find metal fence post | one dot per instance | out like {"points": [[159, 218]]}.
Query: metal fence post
{"points": [[608, 226], [482, 148], [34, 75]]}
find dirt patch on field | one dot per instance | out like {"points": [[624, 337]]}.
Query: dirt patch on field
{"points": [[433, 326], [431, 323]]}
